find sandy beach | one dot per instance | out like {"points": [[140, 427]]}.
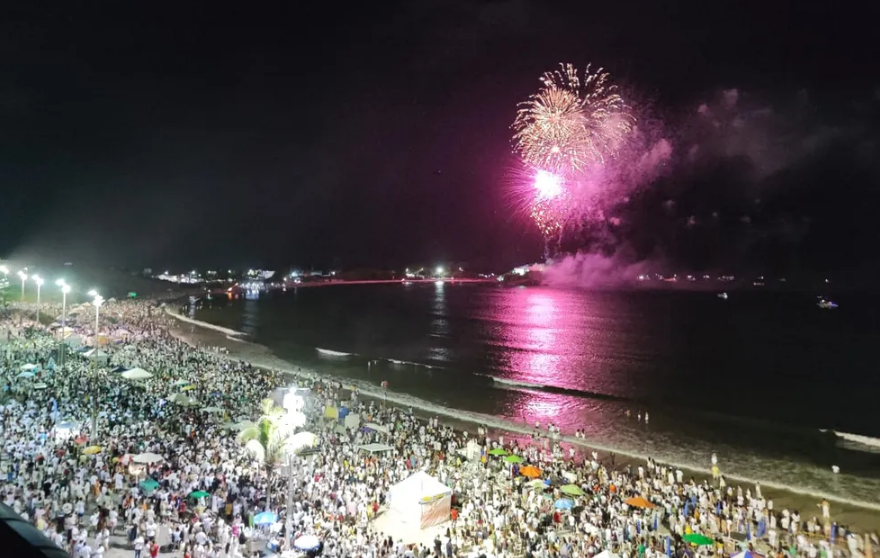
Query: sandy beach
{"points": [[860, 518]]}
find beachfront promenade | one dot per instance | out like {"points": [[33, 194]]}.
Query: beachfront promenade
{"points": [[202, 491]]}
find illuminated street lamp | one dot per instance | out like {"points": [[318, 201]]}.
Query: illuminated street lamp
{"points": [[39, 281], [97, 301], [23, 277], [65, 288], [439, 271]]}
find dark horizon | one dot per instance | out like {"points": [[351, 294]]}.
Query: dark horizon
{"points": [[377, 136]]}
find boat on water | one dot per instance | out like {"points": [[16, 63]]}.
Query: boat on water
{"points": [[722, 296], [826, 304]]}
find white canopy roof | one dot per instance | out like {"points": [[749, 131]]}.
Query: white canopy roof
{"points": [[420, 485], [375, 448]]}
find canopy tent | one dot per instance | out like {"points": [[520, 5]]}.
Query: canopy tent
{"points": [[375, 448], [421, 498]]}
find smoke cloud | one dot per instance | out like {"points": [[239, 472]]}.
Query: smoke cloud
{"points": [[739, 182]]}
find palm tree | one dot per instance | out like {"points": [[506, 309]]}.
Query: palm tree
{"points": [[266, 439]]}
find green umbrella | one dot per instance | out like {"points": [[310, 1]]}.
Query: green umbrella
{"points": [[537, 483], [698, 539], [149, 485], [571, 490], [514, 459], [198, 494], [498, 451]]}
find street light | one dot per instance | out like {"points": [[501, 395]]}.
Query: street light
{"points": [[96, 302], [39, 281], [23, 276], [65, 288]]}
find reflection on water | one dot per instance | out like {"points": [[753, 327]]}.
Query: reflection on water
{"points": [[711, 373]]}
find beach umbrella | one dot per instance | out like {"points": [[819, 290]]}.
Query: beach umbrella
{"points": [[198, 494], [81, 440], [571, 490], [537, 484], [376, 427], [530, 471], [188, 388], [147, 458], [26, 375], [514, 459], [136, 374], [498, 451], [747, 554], [180, 383], [40, 385], [563, 504], [300, 441], [697, 539], [265, 518], [212, 410], [306, 543], [638, 502], [92, 450], [149, 485]]}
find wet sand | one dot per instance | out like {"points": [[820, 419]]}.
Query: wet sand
{"points": [[857, 518]]}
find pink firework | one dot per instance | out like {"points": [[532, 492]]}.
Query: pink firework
{"points": [[550, 202]]}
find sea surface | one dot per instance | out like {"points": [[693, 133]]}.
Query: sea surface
{"points": [[755, 378]]}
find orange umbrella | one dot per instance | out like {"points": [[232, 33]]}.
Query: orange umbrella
{"points": [[530, 471], [639, 502]]}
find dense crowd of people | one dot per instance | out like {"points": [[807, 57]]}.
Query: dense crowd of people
{"points": [[102, 465]]}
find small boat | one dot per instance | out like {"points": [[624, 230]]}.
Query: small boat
{"points": [[722, 296], [826, 304]]}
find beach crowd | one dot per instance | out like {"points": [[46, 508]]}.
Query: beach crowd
{"points": [[108, 466]]}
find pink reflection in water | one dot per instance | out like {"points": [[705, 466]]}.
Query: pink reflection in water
{"points": [[551, 333]]}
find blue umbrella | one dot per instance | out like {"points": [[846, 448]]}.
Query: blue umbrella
{"points": [[563, 504], [306, 543], [265, 518]]}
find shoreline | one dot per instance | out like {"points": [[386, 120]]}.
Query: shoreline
{"points": [[862, 514]]}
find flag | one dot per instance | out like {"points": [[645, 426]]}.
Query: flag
{"points": [[748, 530], [762, 527], [655, 521], [638, 526], [668, 546]]}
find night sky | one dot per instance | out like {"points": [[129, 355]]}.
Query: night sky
{"points": [[377, 133]]}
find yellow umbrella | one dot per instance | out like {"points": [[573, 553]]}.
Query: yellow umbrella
{"points": [[92, 450], [187, 388]]}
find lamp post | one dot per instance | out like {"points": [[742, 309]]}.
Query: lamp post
{"points": [[97, 301], [65, 288], [23, 277], [39, 281]]}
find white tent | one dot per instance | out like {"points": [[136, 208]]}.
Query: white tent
{"points": [[375, 448], [421, 498]]}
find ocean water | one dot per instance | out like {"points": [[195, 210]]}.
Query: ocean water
{"points": [[754, 378]]}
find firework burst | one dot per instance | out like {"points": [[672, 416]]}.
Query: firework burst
{"points": [[573, 121]]}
